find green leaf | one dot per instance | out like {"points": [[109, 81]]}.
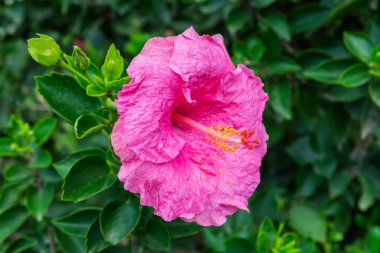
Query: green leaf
{"points": [[113, 66], [261, 3], [282, 66], [238, 245], [179, 228], [39, 200], [65, 97], [327, 72], [308, 222], [358, 45], [237, 19], [64, 166], [17, 173], [156, 237], [368, 194], [44, 50], [21, 245], [11, 220], [308, 17], [266, 237], [77, 223], [9, 195], [43, 129], [118, 220], [117, 83], [302, 152], [251, 50], [69, 244], [41, 159], [94, 91], [278, 23], [280, 98], [374, 240], [94, 239], [354, 76], [339, 183], [87, 177], [6, 147], [374, 92], [87, 124], [344, 95]]}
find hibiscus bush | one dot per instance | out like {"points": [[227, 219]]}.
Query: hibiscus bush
{"points": [[63, 65]]}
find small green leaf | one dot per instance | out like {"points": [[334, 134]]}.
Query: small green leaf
{"points": [[308, 17], [117, 83], [94, 91], [44, 50], [17, 173], [6, 147], [11, 220], [341, 94], [280, 98], [358, 45], [65, 97], [302, 152], [308, 222], [368, 194], [41, 159], [21, 245], [278, 23], [69, 244], [87, 177], [354, 76], [87, 124], [77, 223], [179, 228], [251, 50], [266, 237], [237, 19], [113, 66], [157, 236], [282, 66], [118, 220], [339, 183], [327, 72], [38, 201], [94, 239], [374, 92], [64, 166], [43, 129]]}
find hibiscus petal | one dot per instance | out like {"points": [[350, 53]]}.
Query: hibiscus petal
{"points": [[145, 105], [176, 189], [201, 61]]}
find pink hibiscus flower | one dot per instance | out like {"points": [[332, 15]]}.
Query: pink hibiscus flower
{"points": [[190, 133]]}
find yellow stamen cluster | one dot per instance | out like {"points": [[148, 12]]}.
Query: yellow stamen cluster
{"points": [[218, 135]]}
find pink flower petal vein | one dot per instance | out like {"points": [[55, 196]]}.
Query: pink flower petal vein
{"points": [[190, 134]]}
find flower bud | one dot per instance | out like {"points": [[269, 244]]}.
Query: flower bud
{"points": [[81, 60], [44, 50]]}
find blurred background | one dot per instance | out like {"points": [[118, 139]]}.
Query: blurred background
{"points": [[320, 62]]}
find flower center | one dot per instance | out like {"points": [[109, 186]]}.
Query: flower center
{"points": [[224, 136]]}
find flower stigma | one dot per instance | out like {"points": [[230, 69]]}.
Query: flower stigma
{"points": [[223, 136]]}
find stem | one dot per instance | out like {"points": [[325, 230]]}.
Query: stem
{"points": [[51, 240], [66, 66]]}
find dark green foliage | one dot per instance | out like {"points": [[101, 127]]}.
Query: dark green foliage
{"points": [[319, 60]]}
